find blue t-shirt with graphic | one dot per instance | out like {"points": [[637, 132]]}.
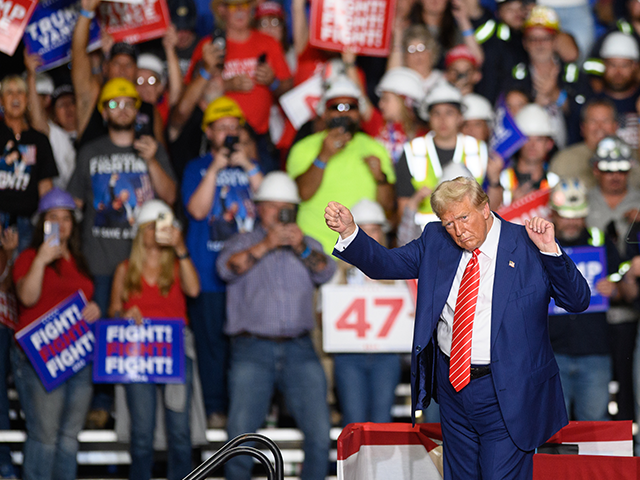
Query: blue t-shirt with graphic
{"points": [[232, 211]]}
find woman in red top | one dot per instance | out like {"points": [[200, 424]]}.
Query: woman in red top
{"points": [[153, 283], [45, 274]]}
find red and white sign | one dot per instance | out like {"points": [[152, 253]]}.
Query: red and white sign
{"points": [[367, 318], [363, 25], [398, 451], [14, 17], [8, 310], [299, 104], [533, 205], [135, 23]]}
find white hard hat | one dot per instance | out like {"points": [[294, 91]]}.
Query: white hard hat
{"points": [[569, 199], [477, 108], [277, 187], [534, 121], [151, 210], [368, 212], [148, 61], [443, 92], [341, 86], [620, 45], [402, 81], [44, 84]]}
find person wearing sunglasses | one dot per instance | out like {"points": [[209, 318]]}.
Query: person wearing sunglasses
{"points": [[340, 160]]}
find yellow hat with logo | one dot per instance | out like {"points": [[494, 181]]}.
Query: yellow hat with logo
{"points": [[543, 17], [118, 87], [221, 107]]}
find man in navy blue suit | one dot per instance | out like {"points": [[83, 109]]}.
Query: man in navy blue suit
{"points": [[511, 400]]}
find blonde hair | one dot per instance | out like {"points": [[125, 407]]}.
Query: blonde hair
{"points": [[456, 190], [133, 277], [6, 81]]}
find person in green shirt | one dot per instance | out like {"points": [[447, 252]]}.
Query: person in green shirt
{"points": [[339, 162]]}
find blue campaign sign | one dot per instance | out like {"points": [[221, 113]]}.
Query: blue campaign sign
{"points": [[506, 138], [152, 352], [50, 30], [592, 263], [60, 343]]}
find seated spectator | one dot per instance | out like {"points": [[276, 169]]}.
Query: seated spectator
{"points": [[153, 283], [217, 193], [366, 382], [528, 170], [271, 275], [46, 274], [396, 122], [415, 48], [462, 69], [478, 117], [441, 154], [339, 161], [598, 120], [27, 166]]}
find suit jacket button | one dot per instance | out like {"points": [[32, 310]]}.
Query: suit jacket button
{"points": [[413, 374], [418, 348]]}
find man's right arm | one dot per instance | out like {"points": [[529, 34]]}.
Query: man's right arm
{"points": [[85, 85]]}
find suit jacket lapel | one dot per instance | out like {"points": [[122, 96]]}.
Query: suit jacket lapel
{"points": [[504, 278]]}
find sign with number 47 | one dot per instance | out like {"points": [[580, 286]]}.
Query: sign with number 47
{"points": [[358, 319]]}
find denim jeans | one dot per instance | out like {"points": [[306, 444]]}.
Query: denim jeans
{"points": [[585, 383], [53, 420], [6, 335], [257, 367], [207, 314], [141, 401], [366, 384]]}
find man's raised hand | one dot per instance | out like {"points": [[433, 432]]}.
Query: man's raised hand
{"points": [[542, 233], [339, 219]]}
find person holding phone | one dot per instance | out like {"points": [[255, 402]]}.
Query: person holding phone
{"points": [[340, 160], [44, 275], [154, 282], [217, 192]]}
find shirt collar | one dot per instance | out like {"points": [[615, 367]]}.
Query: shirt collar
{"points": [[490, 245]]}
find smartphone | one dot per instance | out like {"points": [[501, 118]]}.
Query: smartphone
{"points": [[262, 59], [52, 231], [163, 228], [219, 38], [230, 142]]}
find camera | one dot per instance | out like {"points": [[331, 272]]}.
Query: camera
{"points": [[345, 123], [287, 215]]}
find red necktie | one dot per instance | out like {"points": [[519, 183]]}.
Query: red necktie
{"points": [[460, 364]]}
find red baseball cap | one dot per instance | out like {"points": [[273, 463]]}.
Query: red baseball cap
{"points": [[269, 9], [460, 52]]}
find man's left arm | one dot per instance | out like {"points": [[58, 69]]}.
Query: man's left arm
{"points": [[569, 288], [159, 167]]}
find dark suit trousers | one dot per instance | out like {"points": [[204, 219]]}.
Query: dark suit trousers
{"points": [[475, 438]]}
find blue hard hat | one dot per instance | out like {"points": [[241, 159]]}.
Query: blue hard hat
{"points": [[56, 198]]}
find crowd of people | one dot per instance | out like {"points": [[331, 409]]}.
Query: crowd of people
{"points": [[189, 128]]}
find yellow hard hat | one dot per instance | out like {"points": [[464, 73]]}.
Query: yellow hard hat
{"points": [[544, 17], [118, 87], [221, 107]]}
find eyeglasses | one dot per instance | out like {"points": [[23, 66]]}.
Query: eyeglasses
{"points": [[226, 128], [122, 104], [342, 107], [545, 39], [421, 47], [152, 80], [266, 23]]}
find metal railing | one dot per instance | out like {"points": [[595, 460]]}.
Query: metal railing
{"points": [[234, 448]]}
